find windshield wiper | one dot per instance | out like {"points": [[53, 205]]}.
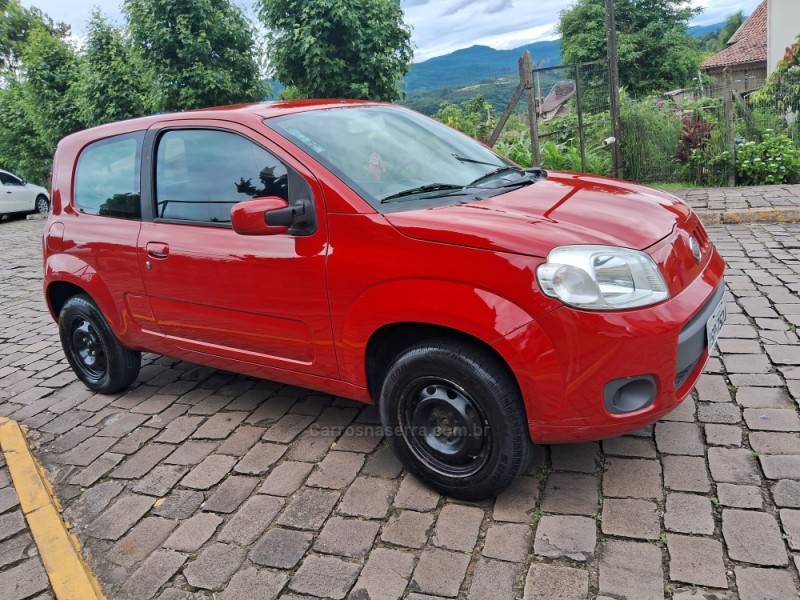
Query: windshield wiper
{"points": [[529, 176], [494, 173], [474, 161], [431, 187]]}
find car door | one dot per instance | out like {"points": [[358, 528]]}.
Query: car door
{"points": [[14, 194], [7, 203], [256, 299]]}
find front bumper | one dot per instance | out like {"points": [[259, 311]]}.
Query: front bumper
{"points": [[563, 388]]}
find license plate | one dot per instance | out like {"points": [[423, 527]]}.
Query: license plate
{"points": [[715, 324]]}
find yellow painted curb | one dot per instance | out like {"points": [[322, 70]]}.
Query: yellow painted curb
{"points": [[70, 576]]}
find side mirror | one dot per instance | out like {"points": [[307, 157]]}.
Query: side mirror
{"points": [[250, 217]]}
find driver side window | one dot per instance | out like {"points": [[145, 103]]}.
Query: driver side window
{"points": [[202, 173]]}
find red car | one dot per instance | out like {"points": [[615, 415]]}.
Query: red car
{"points": [[369, 252]]}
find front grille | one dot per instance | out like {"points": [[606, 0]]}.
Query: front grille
{"points": [[692, 342]]}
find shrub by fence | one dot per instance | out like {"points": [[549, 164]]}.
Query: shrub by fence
{"points": [[733, 138]]}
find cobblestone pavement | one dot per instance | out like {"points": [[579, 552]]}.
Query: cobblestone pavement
{"points": [[204, 484], [712, 203], [22, 574]]}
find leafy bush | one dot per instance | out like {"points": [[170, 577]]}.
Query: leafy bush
{"points": [[517, 148], [710, 166], [695, 133], [782, 90], [772, 161], [558, 157], [473, 117], [780, 97], [702, 147], [564, 129]]}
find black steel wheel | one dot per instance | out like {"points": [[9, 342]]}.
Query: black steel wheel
{"points": [[455, 417], [95, 354], [444, 427], [87, 349]]}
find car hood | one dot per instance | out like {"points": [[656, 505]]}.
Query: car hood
{"points": [[560, 210]]}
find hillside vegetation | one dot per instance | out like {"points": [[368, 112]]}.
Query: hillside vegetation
{"points": [[476, 63], [490, 73]]}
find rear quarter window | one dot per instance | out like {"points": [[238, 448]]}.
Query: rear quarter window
{"points": [[107, 180]]}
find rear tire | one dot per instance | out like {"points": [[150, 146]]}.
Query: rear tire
{"points": [[455, 417], [93, 351]]}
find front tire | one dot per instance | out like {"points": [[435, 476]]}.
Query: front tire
{"points": [[455, 417], [93, 351], [42, 205]]}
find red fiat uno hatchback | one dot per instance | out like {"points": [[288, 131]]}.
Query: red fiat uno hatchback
{"points": [[369, 252]]}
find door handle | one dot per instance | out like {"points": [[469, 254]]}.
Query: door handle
{"points": [[157, 249]]}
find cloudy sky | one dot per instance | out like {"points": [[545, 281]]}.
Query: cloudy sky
{"points": [[440, 26]]}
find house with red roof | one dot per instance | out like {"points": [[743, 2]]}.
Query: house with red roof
{"points": [[744, 59], [757, 46]]}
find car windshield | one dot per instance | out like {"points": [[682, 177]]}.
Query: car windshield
{"points": [[394, 155]]}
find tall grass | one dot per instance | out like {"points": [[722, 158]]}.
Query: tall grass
{"points": [[650, 138]]}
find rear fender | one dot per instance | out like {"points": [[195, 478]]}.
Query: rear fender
{"points": [[71, 269]]}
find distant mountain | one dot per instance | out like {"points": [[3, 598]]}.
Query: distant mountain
{"points": [[495, 91], [702, 30], [476, 63], [481, 63]]}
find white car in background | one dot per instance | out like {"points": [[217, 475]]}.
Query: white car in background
{"points": [[19, 196]]}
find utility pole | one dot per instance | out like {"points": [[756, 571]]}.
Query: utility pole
{"points": [[526, 82], [730, 124], [525, 87], [579, 109], [613, 85]]}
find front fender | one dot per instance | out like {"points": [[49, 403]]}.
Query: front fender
{"points": [[474, 311], [501, 324]]}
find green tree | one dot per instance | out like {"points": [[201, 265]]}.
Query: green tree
{"points": [[780, 97], [732, 24], [473, 117], [714, 42], [16, 24], [50, 68], [110, 86], [655, 51], [338, 48], [37, 68], [198, 52], [22, 150]]}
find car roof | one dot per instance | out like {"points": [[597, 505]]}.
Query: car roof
{"points": [[259, 110]]}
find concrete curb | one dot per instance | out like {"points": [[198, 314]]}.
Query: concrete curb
{"points": [[750, 215], [70, 576]]}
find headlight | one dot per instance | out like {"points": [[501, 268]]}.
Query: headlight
{"points": [[601, 277]]}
